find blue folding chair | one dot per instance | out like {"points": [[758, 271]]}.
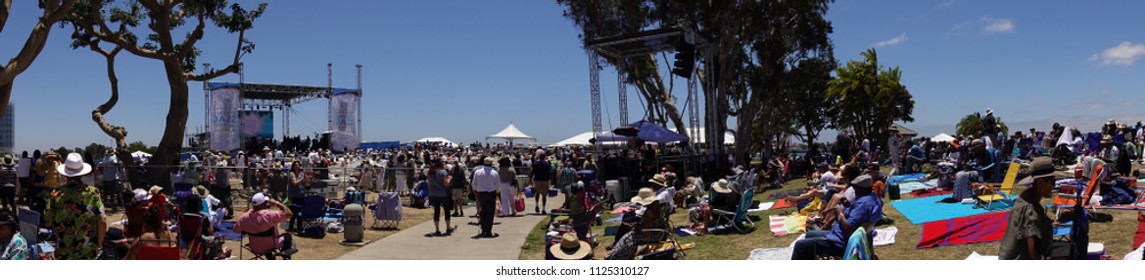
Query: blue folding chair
{"points": [[313, 212]]}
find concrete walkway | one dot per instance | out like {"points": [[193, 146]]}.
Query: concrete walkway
{"points": [[411, 243]]}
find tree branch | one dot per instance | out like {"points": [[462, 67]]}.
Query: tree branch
{"points": [[196, 35], [32, 46], [5, 7], [233, 68], [104, 33]]}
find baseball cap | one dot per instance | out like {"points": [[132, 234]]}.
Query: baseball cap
{"points": [[258, 199]]}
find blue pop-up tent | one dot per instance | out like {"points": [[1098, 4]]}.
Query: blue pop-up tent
{"points": [[649, 132]]}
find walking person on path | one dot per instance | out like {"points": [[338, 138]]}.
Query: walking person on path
{"points": [[485, 182], [439, 197]]}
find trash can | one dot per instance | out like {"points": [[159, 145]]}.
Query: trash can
{"points": [[352, 224], [613, 189]]}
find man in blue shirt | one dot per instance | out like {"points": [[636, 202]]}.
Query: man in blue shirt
{"points": [[865, 210], [914, 159]]}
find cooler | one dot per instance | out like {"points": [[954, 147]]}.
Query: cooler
{"points": [[613, 189]]}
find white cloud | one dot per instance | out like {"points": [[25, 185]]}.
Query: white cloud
{"points": [[998, 25], [1125, 53], [892, 41], [945, 4]]}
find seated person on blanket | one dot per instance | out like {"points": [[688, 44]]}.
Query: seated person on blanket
{"points": [[866, 210], [724, 198], [816, 193], [629, 220], [581, 214], [843, 197]]}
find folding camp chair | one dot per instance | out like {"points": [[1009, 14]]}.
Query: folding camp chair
{"points": [[1001, 192], [286, 252], [191, 235], [170, 253], [313, 212], [182, 192], [30, 225], [388, 210], [1084, 193], [738, 219]]}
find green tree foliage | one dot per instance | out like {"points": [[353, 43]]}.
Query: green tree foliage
{"points": [[166, 31], [870, 98], [754, 47], [972, 125], [97, 150]]}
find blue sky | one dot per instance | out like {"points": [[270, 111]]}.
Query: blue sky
{"points": [[465, 69]]}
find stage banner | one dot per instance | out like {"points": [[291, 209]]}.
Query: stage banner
{"points": [[256, 124], [224, 118], [344, 123]]}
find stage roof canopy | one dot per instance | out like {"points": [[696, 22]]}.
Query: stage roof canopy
{"points": [[292, 94]]}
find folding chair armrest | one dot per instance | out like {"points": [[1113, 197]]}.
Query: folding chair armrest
{"points": [[722, 212]]}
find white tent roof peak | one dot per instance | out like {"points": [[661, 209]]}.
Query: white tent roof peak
{"points": [[511, 133]]}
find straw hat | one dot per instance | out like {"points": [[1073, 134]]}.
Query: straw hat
{"points": [[659, 180], [570, 248], [721, 186], [1107, 139], [155, 190], [645, 196], [202, 191], [74, 166], [1042, 167]]}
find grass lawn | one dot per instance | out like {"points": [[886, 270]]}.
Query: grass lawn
{"points": [[1114, 228]]}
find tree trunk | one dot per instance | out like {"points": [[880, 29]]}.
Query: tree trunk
{"points": [[172, 142]]}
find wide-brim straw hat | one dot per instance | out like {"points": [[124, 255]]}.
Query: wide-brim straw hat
{"points": [[659, 180], [721, 186], [645, 196], [1042, 167], [74, 166], [570, 248]]}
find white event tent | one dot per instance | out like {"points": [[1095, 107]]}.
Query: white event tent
{"points": [[511, 133]]}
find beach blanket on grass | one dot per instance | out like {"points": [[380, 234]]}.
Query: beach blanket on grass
{"points": [[909, 187], [764, 206], [226, 229], [784, 225], [974, 229], [1139, 237], [885, 236], [928, 192], [771, 254], [898, 179], [782, 204]]}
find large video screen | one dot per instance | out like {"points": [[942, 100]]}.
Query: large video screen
{"points": [[257, 124]]}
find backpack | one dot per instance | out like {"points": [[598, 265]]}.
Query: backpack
{"points": [[8, 176]]}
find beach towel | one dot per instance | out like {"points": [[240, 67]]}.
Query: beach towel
{"points": [[1139, 237], [974, 256], [684, 232], [928, 192], [784, 225], [226, 230], [763, 206], [915, 177], [974, 229], [812, 208], [924, 210], [784, 194], [886, 236], [771, 254], [910, 187], [782, 204], [857, 246]]}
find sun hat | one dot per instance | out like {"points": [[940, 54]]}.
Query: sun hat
{"points": [[570, 248], [141, 195], [8, 161], [540, 152], [645, 196], [489, 161], [155, 190], [74, 166], [721, 186], [989, 111], [8, 220], [202, 191], [1107, 139], [659, 180], [351, 189], [1042, 167], [258, 199]]}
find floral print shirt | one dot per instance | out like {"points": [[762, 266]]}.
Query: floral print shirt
{"points": [[17, 249], [73, 212]]}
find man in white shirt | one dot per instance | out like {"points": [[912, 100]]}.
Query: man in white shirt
{"points": [[484, 183]]}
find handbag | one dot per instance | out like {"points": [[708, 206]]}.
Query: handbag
{"points": [[519, 203]]}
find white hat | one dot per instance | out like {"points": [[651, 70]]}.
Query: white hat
{"points": [[645, 196], [258, 199], [351, 189], [721, 186], [74, 166], [989, 111], [141, 195], [540, 152]]}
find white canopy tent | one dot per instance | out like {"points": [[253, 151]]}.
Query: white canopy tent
{"points": [[511, 133], [581, 139], [942, 137], [729, 138], [441, 140], [140, 154]]}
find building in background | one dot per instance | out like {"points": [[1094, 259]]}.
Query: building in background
{"points": [[8, 129]]}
